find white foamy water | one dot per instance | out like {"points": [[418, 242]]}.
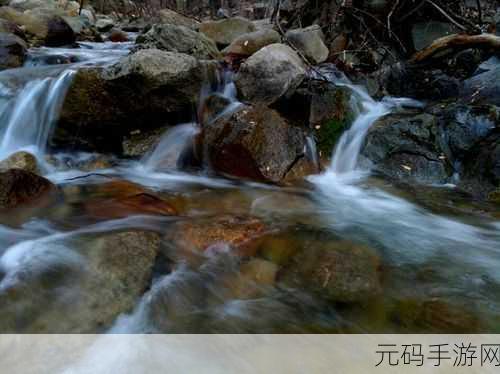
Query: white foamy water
{"points": [[407, 232], [33, 113]]}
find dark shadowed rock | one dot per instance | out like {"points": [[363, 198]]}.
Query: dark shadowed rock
{"points": [[484, 87], [449, 140], [12, 51], [253, 143], [403, 146], [178, 39]]}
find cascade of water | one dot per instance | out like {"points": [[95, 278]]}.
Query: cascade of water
{"points": [[31, 115], [349, 146], [165, 155]]}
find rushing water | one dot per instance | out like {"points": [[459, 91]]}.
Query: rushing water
{"points": [[437, 265]]}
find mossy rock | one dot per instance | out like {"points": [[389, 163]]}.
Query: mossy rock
{"points": [[330, 116]]}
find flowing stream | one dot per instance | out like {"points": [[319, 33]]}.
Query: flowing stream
{"points": [[438, 267]]}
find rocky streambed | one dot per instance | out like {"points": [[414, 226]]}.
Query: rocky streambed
{"points": [[209, 178]]}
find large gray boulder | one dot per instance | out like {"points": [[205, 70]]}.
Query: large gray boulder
{"points": [[272, 72], [143, 90], [225, 31], [173, 18], [12, 51], [180, 39], [247, 44], [310, 42]]}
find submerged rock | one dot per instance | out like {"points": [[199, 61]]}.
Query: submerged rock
{"points": [[141, 91], [253, 143], [12, 51], [339, 271], [216, 234], [271, 73], [122, 207], [20, 160], [178, 39], [435, 316], [225, 31], [82, 288], [309, 41], [20, 187]]}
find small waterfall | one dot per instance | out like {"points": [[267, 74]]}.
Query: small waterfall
{"points": [[31, 114], [166, 154], [347, 151]]}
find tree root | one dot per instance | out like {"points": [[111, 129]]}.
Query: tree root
{"points": [[453, 43]]}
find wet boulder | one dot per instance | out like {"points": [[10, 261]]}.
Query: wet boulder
{"points": [[271, 73], [406, 146], [20, 187], [436, 146], [309, 41], [140, 91], [254, 143], [12, 51], [225, 31], [340, 271], [178, 39], [20, 160], [247, 44]]}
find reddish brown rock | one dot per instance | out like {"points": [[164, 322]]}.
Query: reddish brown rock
{"points": [[254, 143], [216, 233], [20, 187]]}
